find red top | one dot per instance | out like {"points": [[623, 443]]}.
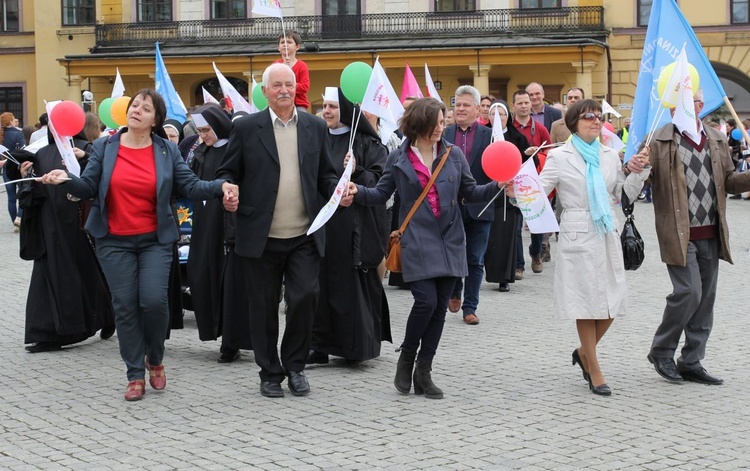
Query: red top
{"points": [[302, 76], [424, 177], [131, 198]]}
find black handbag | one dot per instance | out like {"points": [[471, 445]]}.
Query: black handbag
{"points": [[632, 242]]}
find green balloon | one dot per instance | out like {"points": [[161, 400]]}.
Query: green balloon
{"points": [[354, 80], [259, 100], [105, 108]]}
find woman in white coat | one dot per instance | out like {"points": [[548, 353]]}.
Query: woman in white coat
{"points": [[589, 284]]}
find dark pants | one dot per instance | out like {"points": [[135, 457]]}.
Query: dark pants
{"points": [[10, 191], [477, 234], [534, 249], [297, 262], [427, 317], [690, 307], [137, 270]]}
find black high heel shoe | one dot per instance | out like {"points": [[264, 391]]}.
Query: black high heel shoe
{"points": [[601, 390], [577, 359]]}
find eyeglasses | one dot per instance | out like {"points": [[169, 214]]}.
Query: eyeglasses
{"points": [[203, 130], [590, 116]]}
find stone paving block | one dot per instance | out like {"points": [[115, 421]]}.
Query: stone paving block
{"points": [[512, 398]]}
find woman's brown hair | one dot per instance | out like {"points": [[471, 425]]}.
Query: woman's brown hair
{"points": [[160, 109], [421, 118], [577, 109]]}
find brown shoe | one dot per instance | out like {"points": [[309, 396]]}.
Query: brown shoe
{"points": [[156, 376], [136, 390], [471, 319], [454, 305], [537, 266], [546, 255], [519, 273]]}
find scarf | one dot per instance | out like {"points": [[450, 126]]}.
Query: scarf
{"points": [[601, 212]]}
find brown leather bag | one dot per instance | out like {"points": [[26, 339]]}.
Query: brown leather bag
{"points": [[393, 257]]}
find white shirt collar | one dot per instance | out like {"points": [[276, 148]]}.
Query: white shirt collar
{"points": [[421, 159], [276, 120]]}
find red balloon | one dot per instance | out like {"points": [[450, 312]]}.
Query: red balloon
{"points": [[67, 118], [501, 161]]}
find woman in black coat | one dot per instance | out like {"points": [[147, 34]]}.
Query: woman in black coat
{"points": [[500, 257], [352, 317], [205, 264], [68, 298]]}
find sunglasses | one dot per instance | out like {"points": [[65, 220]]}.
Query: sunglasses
{"points": [[590, 116]]}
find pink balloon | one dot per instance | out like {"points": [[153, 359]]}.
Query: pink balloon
{"points": [[609, 126], [501, 161], [68, 118]]}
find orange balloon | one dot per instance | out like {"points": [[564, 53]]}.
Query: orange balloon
{"points": [[119, 110]]}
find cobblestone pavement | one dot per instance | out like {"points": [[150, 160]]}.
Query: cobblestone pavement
{"points": [[512, 398]]}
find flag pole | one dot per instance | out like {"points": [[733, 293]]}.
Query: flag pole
{"points": [[503, 187], [736, 118]]}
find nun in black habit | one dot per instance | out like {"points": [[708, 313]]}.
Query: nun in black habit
{"points": [[500, 257], [352, 318], [68, 298], [235, 302], [205, 264]]}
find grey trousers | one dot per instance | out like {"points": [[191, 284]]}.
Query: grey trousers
{"points": [[690, 307], [137, 271]]}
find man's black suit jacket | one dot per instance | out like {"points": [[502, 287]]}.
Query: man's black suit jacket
{"points": [[482, 138], [252, 162], [550, 116]]}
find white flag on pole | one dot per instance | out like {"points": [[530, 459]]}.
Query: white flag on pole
{"points": [[684, 113], [207, 97], [118, 89], [607, 108], [611, 140], [267, 7], [497, 127], [330, 207], [63, 143], [431, 85], [381, 100], [238, 102], [533, 201]]}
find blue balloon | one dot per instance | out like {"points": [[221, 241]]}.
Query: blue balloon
{"points": [[736, 134]]}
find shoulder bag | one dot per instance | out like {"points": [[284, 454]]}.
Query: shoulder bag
{"points": [[632, 242], [393, 257]]}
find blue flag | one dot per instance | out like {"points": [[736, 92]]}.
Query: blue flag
{"points": [[667, 32], [175, 107]]}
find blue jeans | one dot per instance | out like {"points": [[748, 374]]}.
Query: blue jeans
{"points": [[10, 190], [477, 234], [427, 317], [137, 270], [534, 249]]}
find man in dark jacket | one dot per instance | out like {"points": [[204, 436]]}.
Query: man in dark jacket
{"points": [[280, 159], [472, 138]]}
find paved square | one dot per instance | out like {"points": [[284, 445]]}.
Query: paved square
{"points": [[512, 398]]}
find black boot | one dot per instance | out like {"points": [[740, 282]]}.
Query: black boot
{"points": [[403, 372], [423, 381]]}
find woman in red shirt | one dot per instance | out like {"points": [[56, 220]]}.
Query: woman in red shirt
{"points": [[130, 176]]}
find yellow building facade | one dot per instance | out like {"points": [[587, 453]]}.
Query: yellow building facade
{"points": [[63, 47]]}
